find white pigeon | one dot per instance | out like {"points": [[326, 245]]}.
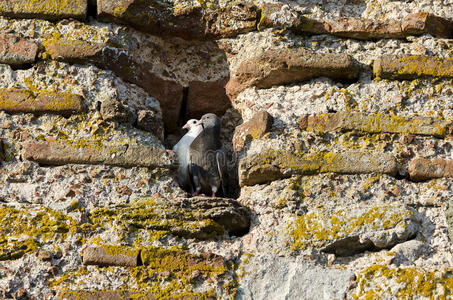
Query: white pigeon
{"points": [[181, 150]]}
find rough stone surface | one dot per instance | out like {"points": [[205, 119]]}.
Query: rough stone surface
{"points": [[273, 165], [449, 216], [290, 66], [365, 29], [198, 217], [46, 9], [112, 109], [16, 51], [375, 123], [424, 169], [23, 101], [82, 152], [151, 120], [207, 97], [278, 15], [412, 67], [73, 51], [185, 21], [51, 213], [99, 256], [268, 276], [421, 23], [344, 231], [256, 127], [104, 295]]}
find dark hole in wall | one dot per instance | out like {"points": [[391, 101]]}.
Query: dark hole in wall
{"points": [[183, 111], [92, 9]]}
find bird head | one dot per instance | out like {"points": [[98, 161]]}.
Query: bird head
{"points": [[190, 124], [209, 121]]}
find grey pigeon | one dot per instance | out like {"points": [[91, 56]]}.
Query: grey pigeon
{"points": [[208, 158], [181, 150]]}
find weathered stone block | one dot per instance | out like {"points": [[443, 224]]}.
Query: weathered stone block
{"points": [[126, 295], [423, 22], [272, 165], [365, 29], [110, 256], [113, 109], [16, 51], [176, 260], [163, 273], [284, 16], [374, 123], [231, 20], [81, 152], [150, 120], [22, 101], [285, 66], [423, 169], [256, 127], [268, 276], [73, 51], [412, 67], [45, 9], [197, 217], [189, 22], [349, 230]]}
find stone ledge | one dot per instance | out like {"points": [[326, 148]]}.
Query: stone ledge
{"points": [[256, 127], [286, 66], [161, 273], [51, 10], [22, 101], [125, 295], [81, 152], [421, 169], [273, 165], [197, 217], [345, 231], [73, 51], [17, 51], [412, 67], [111, 256], [374, 123], [284, 16]]}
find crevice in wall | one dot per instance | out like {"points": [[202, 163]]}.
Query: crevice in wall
{"points": [[183, 110], [92, 9]]}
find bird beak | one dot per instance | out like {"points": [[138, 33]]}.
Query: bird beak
{"points": [[186, 127], [200, 122]]}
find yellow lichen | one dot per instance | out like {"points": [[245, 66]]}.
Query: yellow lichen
{"points": [[376, 282]]}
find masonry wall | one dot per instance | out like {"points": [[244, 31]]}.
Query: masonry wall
{"points": [[337, 118]]}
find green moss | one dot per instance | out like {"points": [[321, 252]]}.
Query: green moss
{"points": [[116, 250], [320, 226], [376, 282], [377, 123], [44, 7], [167, 273], [154, 219], [25, 230]]}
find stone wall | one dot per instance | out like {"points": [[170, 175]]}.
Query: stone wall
{"points": [[337, 117]]}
